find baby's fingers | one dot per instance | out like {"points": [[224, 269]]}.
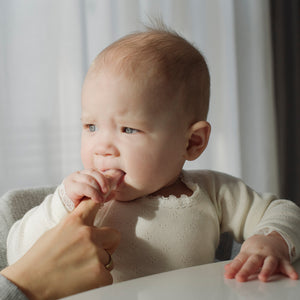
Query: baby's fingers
{"points": [[97, 180], [269, 268], [287, 269], [81, 191], [250, 267], [234, 267]]}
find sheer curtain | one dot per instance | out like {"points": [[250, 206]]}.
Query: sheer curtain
{"points": [[46, 48]]}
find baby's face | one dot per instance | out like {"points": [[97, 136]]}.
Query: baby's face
{"points": [[133, 130]]}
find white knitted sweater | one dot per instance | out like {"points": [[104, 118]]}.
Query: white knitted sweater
{"points": [[166, 233]]}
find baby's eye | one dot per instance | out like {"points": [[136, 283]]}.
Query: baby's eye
{"points": [[129, 130], [91, 127]]}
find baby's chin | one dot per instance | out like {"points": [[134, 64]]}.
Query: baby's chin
{"points": [[128, 194], [131, 190], [125, 198]]}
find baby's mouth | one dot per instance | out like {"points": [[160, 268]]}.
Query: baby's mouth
{"points": [[115, 177]]}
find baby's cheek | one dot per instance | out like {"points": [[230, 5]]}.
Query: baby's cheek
{"points": [[86, 160]]}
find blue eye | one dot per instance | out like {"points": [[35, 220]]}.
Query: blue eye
{"points": [[92, 127], [129, 130]]}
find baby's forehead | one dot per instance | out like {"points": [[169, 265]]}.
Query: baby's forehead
{"points": [[145, 93]]}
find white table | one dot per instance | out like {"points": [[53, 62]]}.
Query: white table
{"points": [[200, 282]]}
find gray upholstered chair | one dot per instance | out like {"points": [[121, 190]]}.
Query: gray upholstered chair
{"points": [[14, 204]]}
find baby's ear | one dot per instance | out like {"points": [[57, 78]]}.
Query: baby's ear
{"points": [[198, 139]]}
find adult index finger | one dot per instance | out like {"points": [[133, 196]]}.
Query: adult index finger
{"points": [[87, 210]]}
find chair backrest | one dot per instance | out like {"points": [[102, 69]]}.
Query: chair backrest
{"points": [[13, 205], [224, 249]]}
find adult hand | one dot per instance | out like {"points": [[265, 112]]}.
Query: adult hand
{"points": [[68, 259]]}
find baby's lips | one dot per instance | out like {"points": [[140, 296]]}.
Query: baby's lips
{"points": [[114, 177]]}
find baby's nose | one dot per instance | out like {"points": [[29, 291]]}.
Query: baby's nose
{"points": [[106, 147]]}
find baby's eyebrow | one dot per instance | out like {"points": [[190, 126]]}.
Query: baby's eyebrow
{"points": [[85, 115], [87, 119]]}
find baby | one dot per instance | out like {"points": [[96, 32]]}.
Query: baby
{"points": [[145, 101]]}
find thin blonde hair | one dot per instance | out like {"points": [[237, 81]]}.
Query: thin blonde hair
{"points": [[169, 62]]}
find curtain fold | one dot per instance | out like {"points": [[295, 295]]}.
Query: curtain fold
{"points": [[286, 48], [46, 47]]}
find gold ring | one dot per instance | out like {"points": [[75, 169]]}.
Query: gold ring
{"points": [[110, 265]]}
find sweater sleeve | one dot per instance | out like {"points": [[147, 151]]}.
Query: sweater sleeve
{"points": [[9, 291], [25, 232], [244, 212], [283, 216]]}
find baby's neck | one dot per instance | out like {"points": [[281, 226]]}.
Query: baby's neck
{"points": [[177, 189]]}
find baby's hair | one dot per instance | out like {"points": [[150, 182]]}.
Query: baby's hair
{"points": [[161, 57]]}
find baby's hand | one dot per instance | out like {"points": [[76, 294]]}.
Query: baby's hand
{"points": [[262, 255], [92, 184]]}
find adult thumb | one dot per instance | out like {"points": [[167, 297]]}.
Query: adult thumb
{"points": [[87, 210]]}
